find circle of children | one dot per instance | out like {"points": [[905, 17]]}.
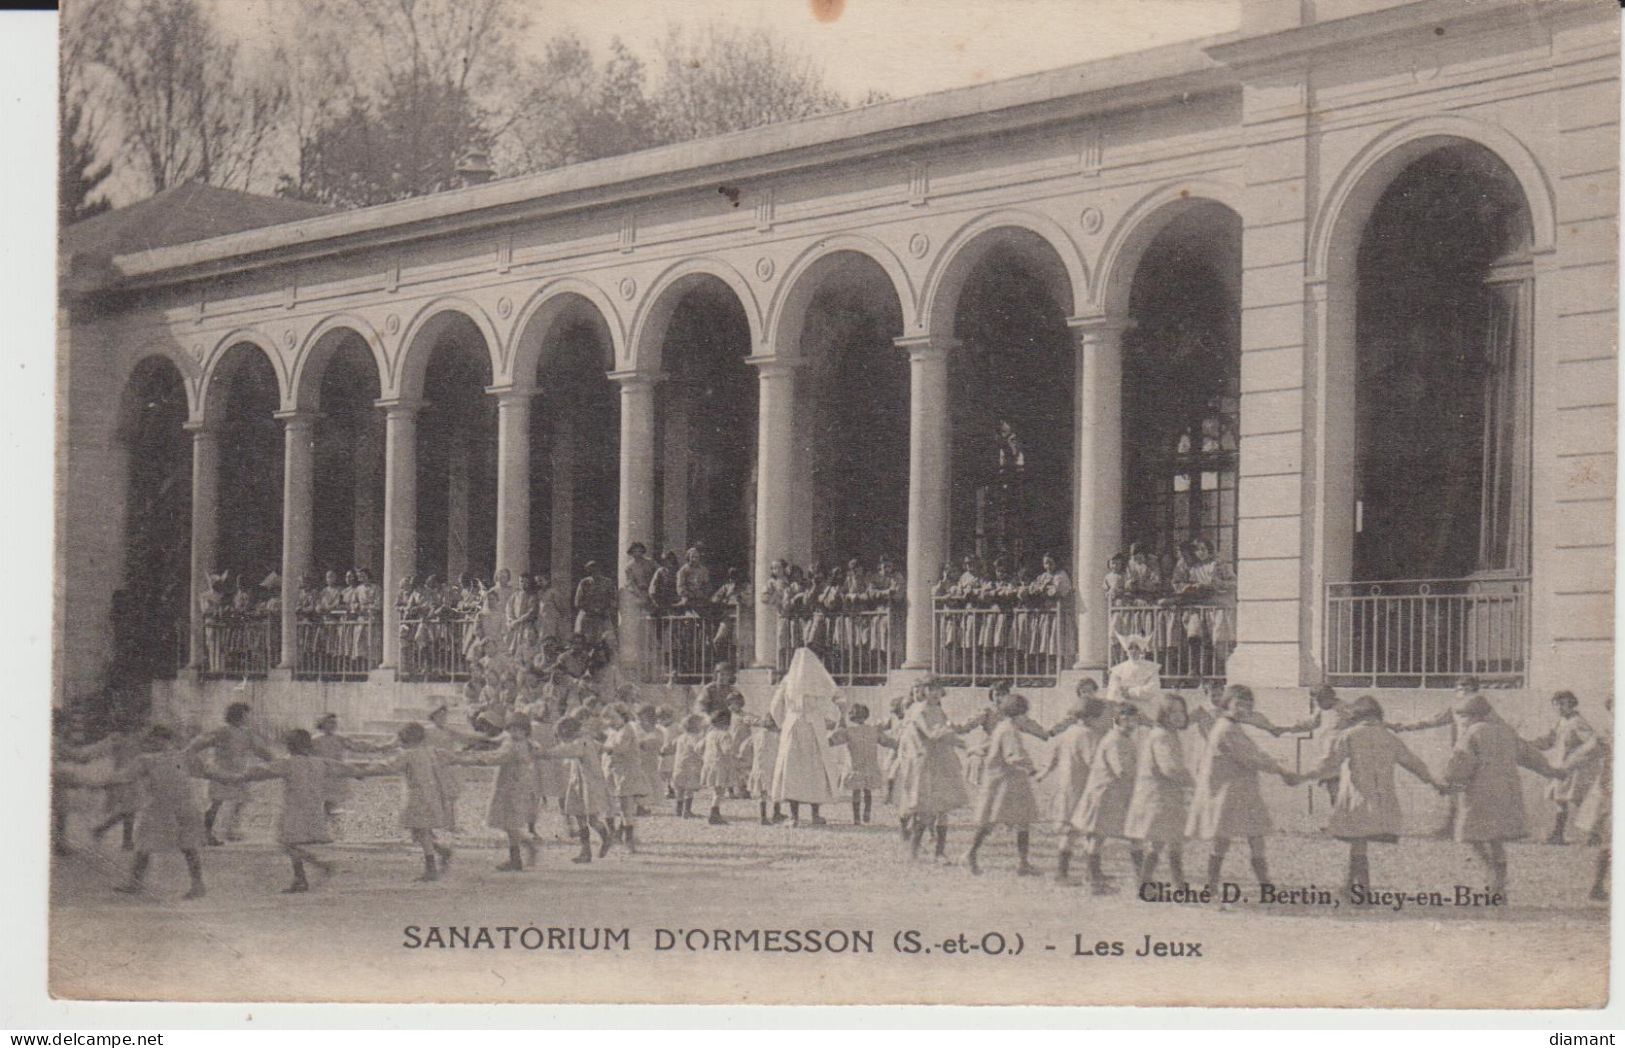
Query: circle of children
{"points": [[1118, 772]]}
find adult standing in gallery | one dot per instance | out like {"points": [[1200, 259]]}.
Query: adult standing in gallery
{"points": [[503, 586], [694, 582], [595, 604]]}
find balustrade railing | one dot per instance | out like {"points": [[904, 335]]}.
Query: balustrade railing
{"points": [[859, 646], [1191, 642], [1026, 643], [683, 645], [1423, 633], [433, 647], [241, 645], [338, 647]]}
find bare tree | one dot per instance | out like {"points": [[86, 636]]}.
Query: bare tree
{"points": [[467, 44], [580, 109], [81, 171], [718, 78], [322, 87], [394, 113], [712, 79], [174, 90]]}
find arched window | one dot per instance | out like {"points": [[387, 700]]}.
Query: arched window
{"points": [[1443, 393], [1182, 482], [1182, 387]]}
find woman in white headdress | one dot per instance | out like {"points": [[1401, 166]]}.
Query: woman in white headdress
{"points": [[805, 709], [1137, 679]]}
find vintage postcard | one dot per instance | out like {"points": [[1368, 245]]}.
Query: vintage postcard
{"points": [[1090, 502]]}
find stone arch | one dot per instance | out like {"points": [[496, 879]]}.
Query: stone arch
{"points": [[317, 353], [187, 366], [844, 302], [1139, 226], [803, 277], [1064, 270], [221, 363], [431, 321], [663, 296], [144, 365], [1334, 247], [1338, 225], [149, 496], [561, 300]]}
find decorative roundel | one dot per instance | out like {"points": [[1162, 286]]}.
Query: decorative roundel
{"points": [[289, 339], [1091, 219], [764, 268], [504, 307], [629, 287], [918, 245], [392, 323]]}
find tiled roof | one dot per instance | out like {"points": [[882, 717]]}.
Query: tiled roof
{"points": [[187, 212]]}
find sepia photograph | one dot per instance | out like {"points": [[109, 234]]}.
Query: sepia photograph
{"points": [[835, 502]]}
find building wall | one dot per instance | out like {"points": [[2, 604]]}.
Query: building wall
{"points": [[1578, 457], [1276, 142], [90, 507]]}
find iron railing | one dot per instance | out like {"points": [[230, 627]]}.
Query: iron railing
{"points": [[241, 645], [1191, 642], [1028, 644], [433, 646], [1423, 633], [684, 645], [859, 646], [338, 647]]}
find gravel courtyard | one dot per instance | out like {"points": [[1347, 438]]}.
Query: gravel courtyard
{"points": [[647, 925]]}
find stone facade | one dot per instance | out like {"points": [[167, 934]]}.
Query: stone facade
{"points": [[1295, 125]]}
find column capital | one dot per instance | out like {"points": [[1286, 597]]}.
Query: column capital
{"points": [[200, 429], [1100, 325], [922, 347], [298, 418], [772, 364], [511, 393], [636, 377], [401, 406]]}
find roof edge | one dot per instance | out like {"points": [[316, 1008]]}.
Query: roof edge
{"points": [[1079, 90]]}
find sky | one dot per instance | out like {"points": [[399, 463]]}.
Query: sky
{"points": [[910, 47]]}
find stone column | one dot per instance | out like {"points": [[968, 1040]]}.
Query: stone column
{"points": [[928, 448], [513, 479], [637, 505], [674, 467], [1099, 491], [205, 529], [400, 513], [367, 494], [458, 454], [775, 451], [298, 520], [562, 518]]}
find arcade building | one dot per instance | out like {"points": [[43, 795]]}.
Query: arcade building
{"points": [[1330, 301]]}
